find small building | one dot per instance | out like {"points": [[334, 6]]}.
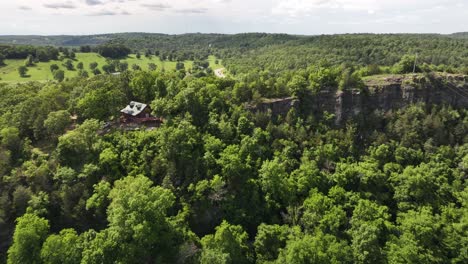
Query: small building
{"points": [[139, 113]]}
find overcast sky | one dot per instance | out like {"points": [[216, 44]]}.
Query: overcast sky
{"points": [[52, 17]]}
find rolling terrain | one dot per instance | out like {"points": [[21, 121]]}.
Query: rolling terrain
{"points": [[40, 71]]}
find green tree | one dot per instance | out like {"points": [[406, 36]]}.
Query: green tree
{"points": [[65, 247], [318, 248], [123, 66], [57, 122], [180, 65], [59, 75], [418, 239], [79, 65], [269, 241], [54, 67], [22, 70], [29, 61], [83, 74], [406, 65], [229, 244], [30, 232], [137, 222], [108, 68], [370, 226], [274, 183], [142, 86], [68, 64], [93, 65], [96, 71], [152, 66], [75, 147]]}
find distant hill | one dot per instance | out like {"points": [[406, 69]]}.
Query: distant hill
{"points": [[151, 40], [277, 52], [462, 35], [56, 40]]}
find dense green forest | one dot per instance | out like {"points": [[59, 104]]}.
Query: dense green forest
{"points": [[219, 182], [278, 51]]}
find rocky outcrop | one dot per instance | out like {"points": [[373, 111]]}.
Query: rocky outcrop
{"points": [[383, 93], [277, 106]]}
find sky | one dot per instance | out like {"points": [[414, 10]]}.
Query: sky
{"points": [[305, 17]]}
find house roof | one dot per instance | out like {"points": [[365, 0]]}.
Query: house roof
{"points": [[134, 108]]}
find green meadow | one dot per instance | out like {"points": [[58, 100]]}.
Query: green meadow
{"points": [[41, 70]]}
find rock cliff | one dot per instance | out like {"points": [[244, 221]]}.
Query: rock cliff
{"points": [[380, 92]]}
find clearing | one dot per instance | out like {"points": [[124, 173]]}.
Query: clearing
{"points": [[41, 70]]}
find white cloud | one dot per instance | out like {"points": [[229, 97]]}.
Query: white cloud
{"points": [[178, 16], [302, 7]]}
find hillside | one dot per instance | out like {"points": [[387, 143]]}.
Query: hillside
{"points": [[302, 149], [40, 71], [243, 53]]}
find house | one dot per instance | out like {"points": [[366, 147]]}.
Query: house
{"points": [[139, 113]]}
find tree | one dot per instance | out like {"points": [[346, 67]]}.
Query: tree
{"points": [[148, 53], [22, 70], [152, 66], [83, 74], [274, 183], [30, 232], [269, 241], [123, 66], [79, 65], [59, 75], [96, 71], [29, 61], [138, 56], [321, 213], [54, 67], [108, 68], [370, 226], [66, 52], [137, 222], [318, 248], [142, 86], [421, 185], [229, 244], [57, 122], [75, 147], [69, 65], [113, 50], [62, 248], [136, 67], [418, 239], [406, 65], [93, 65], [180, 65]]}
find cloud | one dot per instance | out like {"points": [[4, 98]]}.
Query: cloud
{"points": [[93, 2], [66, 5], [296, 8], [109, 13], [156, 7], [25, 8], [192, 10]]}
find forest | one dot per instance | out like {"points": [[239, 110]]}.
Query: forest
{"points": [[220, 181]]}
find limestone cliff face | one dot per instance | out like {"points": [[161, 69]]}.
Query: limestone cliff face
{"points": [[398, 92], [385, 94]]}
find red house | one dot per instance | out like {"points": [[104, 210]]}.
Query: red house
{"points": [[139, 113]]}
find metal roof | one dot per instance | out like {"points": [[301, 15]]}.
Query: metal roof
{"points": [[134, 108]]}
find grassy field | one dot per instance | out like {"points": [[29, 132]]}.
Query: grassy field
{"points": [[41, 71]]}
